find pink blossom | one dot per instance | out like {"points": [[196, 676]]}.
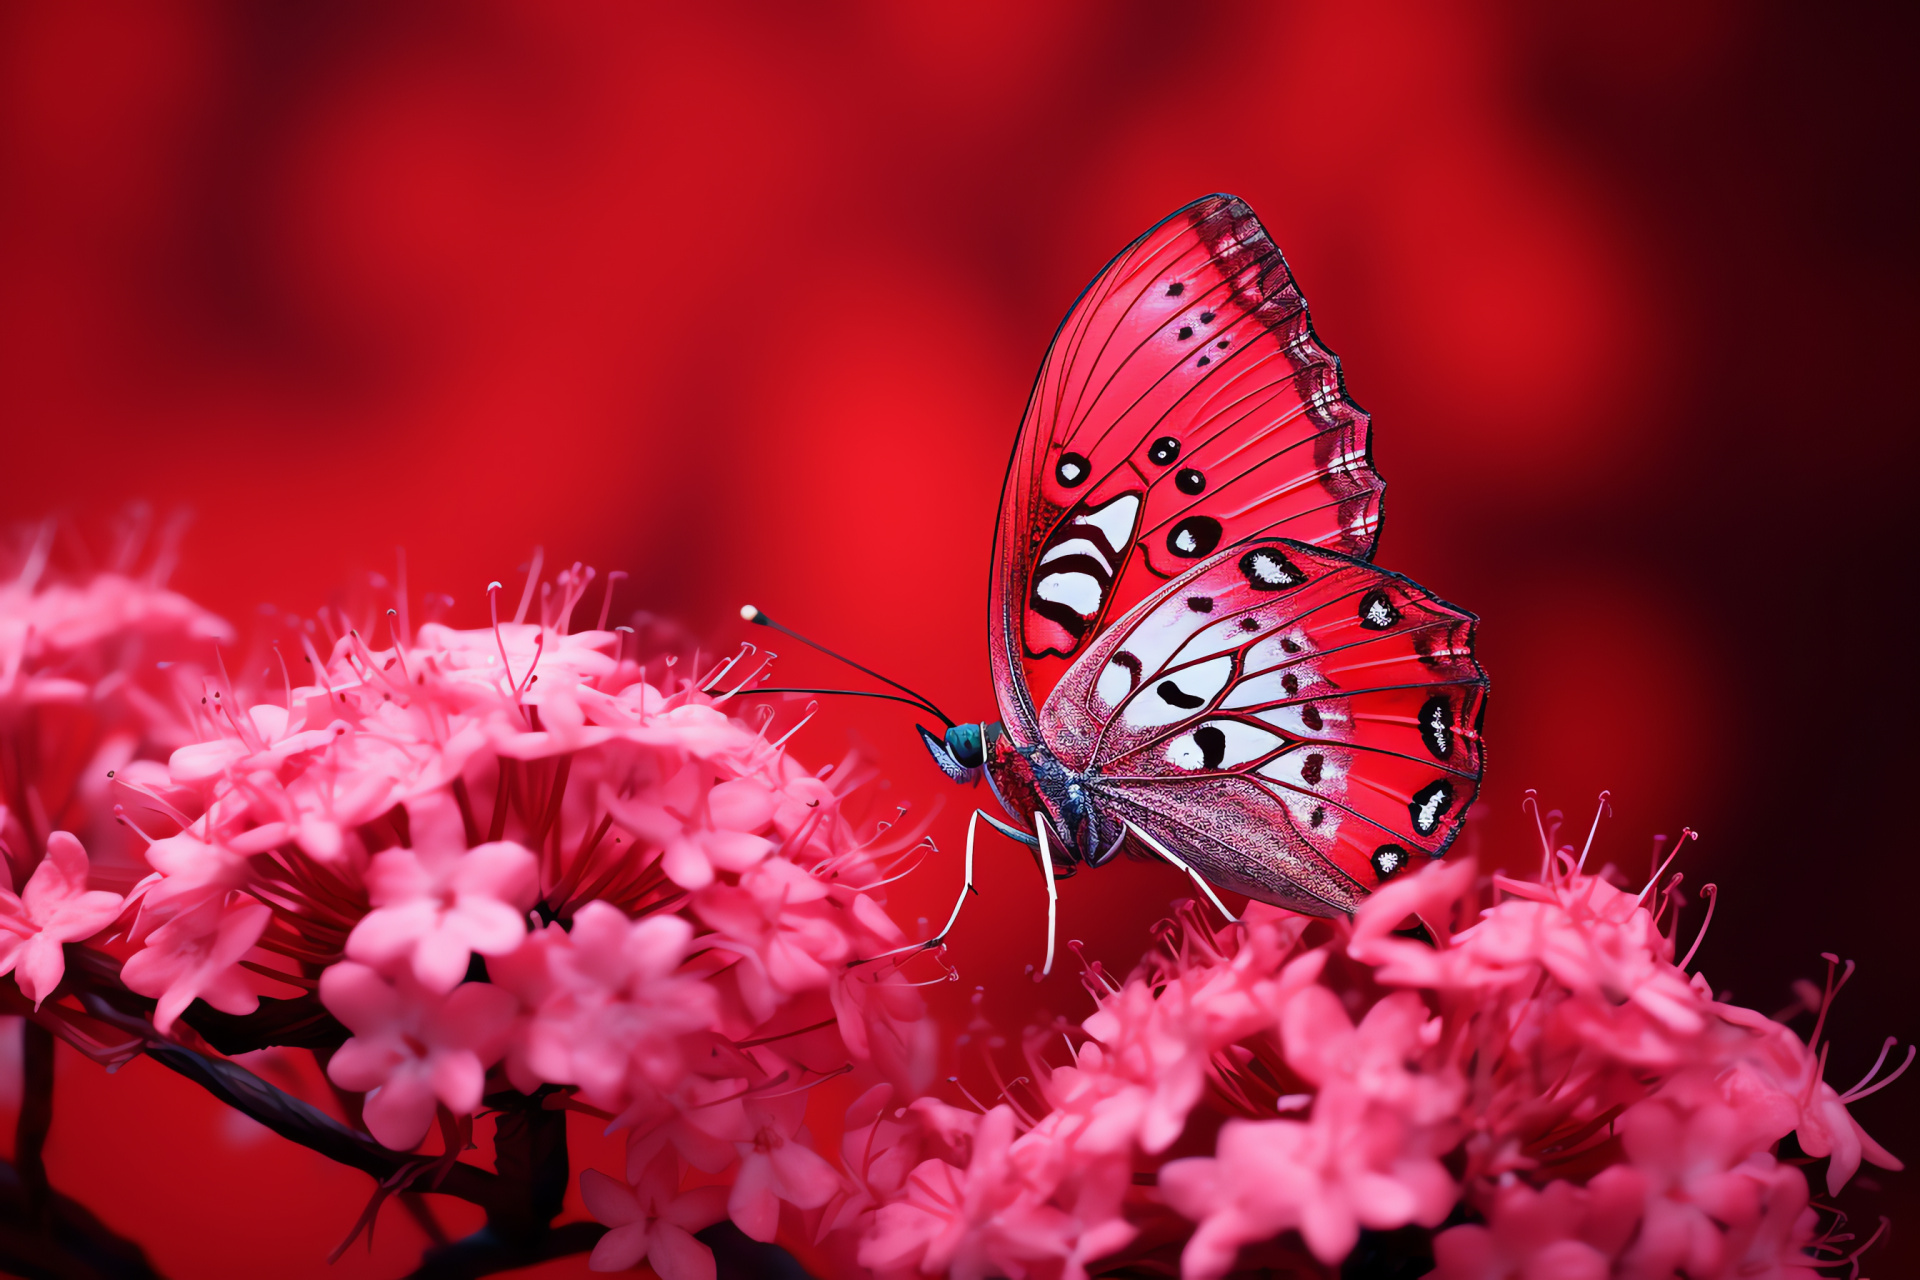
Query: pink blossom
{"points": [[413, 1045], [195, 956], [877, 1151], [653, 1221], [783, 915], [56, 907], [1527, 1032], [436, 909], [1559, 1232], [607, 1008], [54, 636], [776, 1165], [695, 852], [973, 1222], [1347, 1168]]}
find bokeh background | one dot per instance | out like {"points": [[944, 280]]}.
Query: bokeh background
{"points": [[746, 300]]}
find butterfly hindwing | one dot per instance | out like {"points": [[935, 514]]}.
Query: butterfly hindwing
{"points": [[1184, 405], [1300, 721]]}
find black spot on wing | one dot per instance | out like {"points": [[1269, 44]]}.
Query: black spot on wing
{"points": [[1163, 451], [1194, 537], [1061, 615], [1174, 696], [1430, 804], [1200, 604], [1072, 470], [1266, 569], [1387, 859], [1212, 743], [1436, 726], [1376, 610]]}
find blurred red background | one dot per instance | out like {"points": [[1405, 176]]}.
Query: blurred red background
{"points": [[746, 301]]}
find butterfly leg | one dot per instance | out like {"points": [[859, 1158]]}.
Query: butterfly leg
{"points": [[966, 888], [1053, 891], [1010, 832], [1170, 856]]}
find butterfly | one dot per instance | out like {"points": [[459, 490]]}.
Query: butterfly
{"points": [[1192, 654]]}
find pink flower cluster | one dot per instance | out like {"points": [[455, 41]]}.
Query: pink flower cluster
{"points": [[84, 679], [1539, 1058], [518, 866], [508, 859]]}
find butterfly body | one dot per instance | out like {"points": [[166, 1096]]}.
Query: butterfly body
{"points": [[1192, 654], [1030, 781]]}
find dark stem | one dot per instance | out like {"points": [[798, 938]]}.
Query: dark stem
{"points": [[298, 1121], [36, 1117], [501, 798], [69, 1241], [530, 1152], [420, 1209], [466, 811], [484, 1253]]}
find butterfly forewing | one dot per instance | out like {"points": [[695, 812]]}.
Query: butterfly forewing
{"points": [[1301, 723], [1185, 404]]}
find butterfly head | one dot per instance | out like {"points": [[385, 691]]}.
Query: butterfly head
{"points": [[960, 754]]}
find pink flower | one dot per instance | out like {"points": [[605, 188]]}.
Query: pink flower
{"points": [[608, 1009], [1826, 1128], [51, 633], [653, 1221], [1559, 1232], [776, 1166], [693, 851], [1156, 1041], [782, 914], [435, 909], [56, 907], [983, 1220], [412, 1045], [195, 955], [1327, 1178], [878, 1151]]}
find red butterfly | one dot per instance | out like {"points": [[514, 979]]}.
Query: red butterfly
{"points": [[1191, 654]]}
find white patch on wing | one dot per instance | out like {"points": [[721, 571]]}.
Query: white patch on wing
{"points": [[1076, 547], [1164, 701], [1272, 650], [1297, 720], [1236, 743], [1312, 767], [1077, 591], [1271, 686], [1220, 637], [1114, 521], [1115, 682], [1304, 809], [1160, 633]]}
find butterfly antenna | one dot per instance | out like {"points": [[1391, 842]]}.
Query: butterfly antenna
{"points": [[753, 615]]}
